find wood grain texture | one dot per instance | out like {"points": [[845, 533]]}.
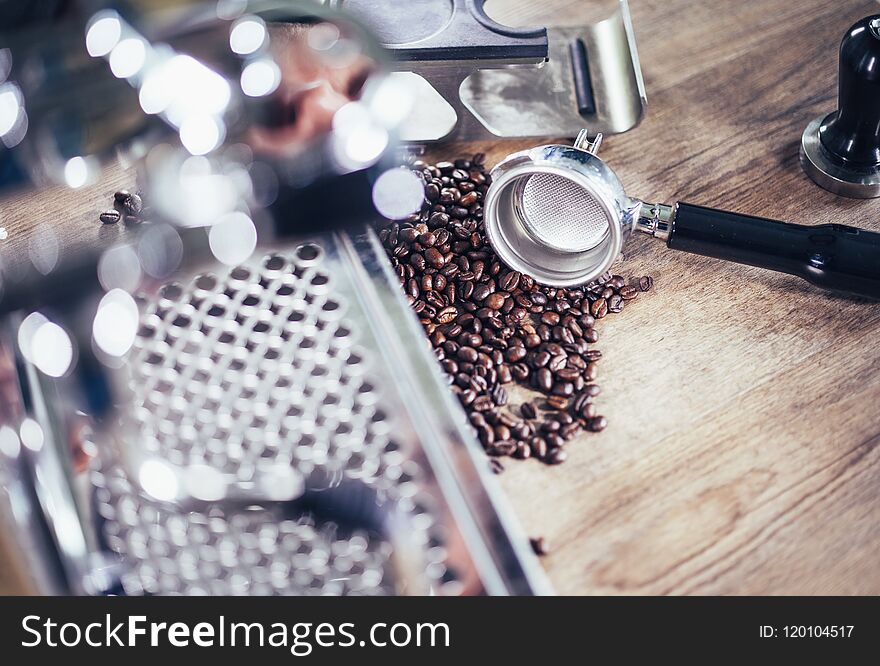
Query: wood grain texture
{"points": [[743, 449]]}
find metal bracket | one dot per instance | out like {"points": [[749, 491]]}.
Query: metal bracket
{"points": [[501, 82]]}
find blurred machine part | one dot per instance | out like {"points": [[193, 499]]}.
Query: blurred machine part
{"points": [[475, 79], [238, 400]]}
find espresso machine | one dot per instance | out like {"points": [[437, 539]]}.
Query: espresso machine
{"points": [[237, 398]]}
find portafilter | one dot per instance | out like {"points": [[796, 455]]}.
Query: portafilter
{"points": [[561, 214]]}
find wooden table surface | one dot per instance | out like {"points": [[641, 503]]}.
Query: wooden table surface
{"points": [[742, 454]]}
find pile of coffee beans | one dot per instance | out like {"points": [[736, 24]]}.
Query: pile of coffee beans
{"points": [[127, 206], [492, 327]]}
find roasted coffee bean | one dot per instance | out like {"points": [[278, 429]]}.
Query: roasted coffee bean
{"points": [[111, 216], [504, 448], [539, 545], [434, 257], [599, 308], [132, 205], [597, 424], [417, 261], [588, 411], [499, 396], [570, 430], [645, 283], [469, 199], [565, 389], [556, 456], [568, 374], [550, 426], [495, 301], [544, 379], [550, 318], [509, 281], [468, 354], [481, 292], [514, 354], [121, 196], [538, 445], [446, 315], [527, 409], [558, 402], [615, 303], [483, 403], [564, 418], [628, 292], [427, 239]]}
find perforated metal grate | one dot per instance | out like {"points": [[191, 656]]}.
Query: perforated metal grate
{"points": [[562, 214], [259, 364]]}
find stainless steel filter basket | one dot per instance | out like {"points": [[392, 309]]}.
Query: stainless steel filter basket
{"points": [[558, 213]]}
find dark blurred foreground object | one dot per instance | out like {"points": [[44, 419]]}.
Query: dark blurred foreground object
{"points": [[841, 151], [21, 13]]}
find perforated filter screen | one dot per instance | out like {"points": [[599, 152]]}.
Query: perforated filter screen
{"points": [[562, 214], [267, 362]]}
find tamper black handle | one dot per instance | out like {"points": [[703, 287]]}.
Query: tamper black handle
{"points": [[833, 256], [852, 133]]}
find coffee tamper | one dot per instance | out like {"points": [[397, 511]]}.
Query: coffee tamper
{"points": [[841, 151]]}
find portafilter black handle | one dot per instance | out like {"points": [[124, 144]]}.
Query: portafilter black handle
{"points": [[832, 256]]}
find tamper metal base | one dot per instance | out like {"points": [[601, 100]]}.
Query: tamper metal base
{"points": [[854, 182]]}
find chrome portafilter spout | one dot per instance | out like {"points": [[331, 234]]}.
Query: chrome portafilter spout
{"points": [[562, 215]]}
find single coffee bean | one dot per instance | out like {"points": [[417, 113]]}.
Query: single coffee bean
{"points": [[483, 403], [132, 205], [558, 402], [570, 430], [505, 448], [646, 283], [544, 379], [434, 257], [509, 281], [568, 374], [597, 424], [495, 301], [446, 315], [550, 318], [628, 292], [111, 216], [121, 196], [527, 409], [468, 354], [539, 546], [557, 456], [599, 308]]}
